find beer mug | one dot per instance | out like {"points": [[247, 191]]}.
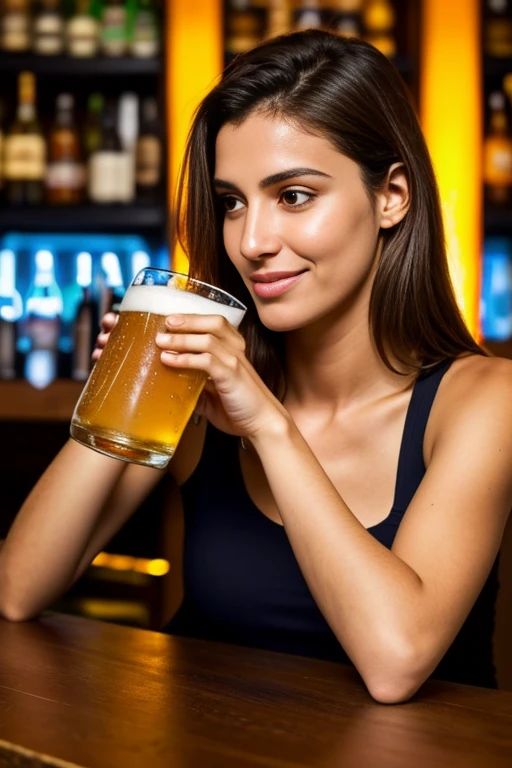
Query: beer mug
{"points": [[133, 407]]}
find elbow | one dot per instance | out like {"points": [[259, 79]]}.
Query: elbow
{"points": [[14, 609], [392, 689], [395, 676], [15, 613]]}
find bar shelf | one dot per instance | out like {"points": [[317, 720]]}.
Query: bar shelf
{"points": [[83, 218], [68, 66], [19, 401]]}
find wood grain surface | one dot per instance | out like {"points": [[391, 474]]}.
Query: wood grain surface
{"points": [[75, 692]]}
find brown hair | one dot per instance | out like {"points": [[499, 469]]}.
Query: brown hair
{"points": [[348, 92]]}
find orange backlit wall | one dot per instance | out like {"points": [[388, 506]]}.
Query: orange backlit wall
{"points": [[194, 61], [450, 101]]}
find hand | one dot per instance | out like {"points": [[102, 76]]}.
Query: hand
{"points": [[235, 399], [108, 321]]}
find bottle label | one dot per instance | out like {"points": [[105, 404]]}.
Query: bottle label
{"points": [[82, 35], [145, 37], [24, 158], [48, 34], [65, 174], [114, 31], [149, 161], [15, 32], [48, 45], [103, 183]]}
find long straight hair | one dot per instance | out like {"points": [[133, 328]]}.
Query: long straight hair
{"points": [[348, 92]]}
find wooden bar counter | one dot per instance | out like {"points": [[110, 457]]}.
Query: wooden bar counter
{"points": [[76, 692]]}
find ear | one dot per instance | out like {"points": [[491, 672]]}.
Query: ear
{"points": [[394, 196]]}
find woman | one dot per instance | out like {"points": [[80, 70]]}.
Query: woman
{"points": [[354, 388]]}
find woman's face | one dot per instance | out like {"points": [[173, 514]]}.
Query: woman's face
{"points": [[299, 226]]}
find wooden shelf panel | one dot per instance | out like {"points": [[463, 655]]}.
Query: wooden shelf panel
{"points": [[67, 66], [88, 218], [20, 401], [499, 348], [498, 220]]}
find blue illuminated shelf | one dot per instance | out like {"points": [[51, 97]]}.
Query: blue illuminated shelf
{"points": [[90, 218], [67, 66]]}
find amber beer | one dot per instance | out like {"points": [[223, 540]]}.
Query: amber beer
{"points": [[133, 407]]}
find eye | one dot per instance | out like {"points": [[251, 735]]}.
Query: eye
{"points": [[231, 204], [294, 198]]}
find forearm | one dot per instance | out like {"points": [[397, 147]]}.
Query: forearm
{"points": [[50, 534], [371, 598]]}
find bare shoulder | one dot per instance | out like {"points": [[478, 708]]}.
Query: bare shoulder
{"points": [[476, 391]]}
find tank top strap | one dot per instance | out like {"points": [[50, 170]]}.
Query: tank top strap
{"points": [[411, 466]]}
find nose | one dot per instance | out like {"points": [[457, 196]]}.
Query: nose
{"points": [[259, 235]]}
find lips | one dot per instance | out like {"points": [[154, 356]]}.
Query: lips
{"points": [[272, 277], [273, 284]]}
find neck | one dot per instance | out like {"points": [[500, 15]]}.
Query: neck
{"points": [[334, 364]]}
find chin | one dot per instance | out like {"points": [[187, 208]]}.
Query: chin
{"points": [[275, 319]]}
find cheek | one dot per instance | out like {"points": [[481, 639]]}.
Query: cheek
{"points": [[341, 230]]}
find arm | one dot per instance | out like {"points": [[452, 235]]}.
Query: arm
{"points": [[78, 504], [396, 612]]}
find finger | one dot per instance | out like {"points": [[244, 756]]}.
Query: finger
{"points": [[108, 321], [214, 324], [195, 342], [220, 370]]}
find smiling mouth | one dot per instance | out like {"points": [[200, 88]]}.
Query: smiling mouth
{"points": [[272, 285], [273, 277]]}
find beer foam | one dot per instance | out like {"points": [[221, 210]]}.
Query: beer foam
{"points": [[165, 300]]}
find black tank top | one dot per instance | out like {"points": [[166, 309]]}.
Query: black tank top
{"points": [[243, 585]]}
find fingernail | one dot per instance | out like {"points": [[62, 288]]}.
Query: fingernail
{"points": [[175, 320]]}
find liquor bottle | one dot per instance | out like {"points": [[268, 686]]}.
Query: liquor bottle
{"points": [[496, 299], [11, 310], [114, 33], [145, 34], [308, 15], [279, 17], [348, 17], [498, 152], [25, 149], [40, 339], [148, 167], [379, 23], [82, 32], [48, 29], [127, 130], [86, 320], [103, 163], [93, 134], [65, 178], [497, 32], [15, 26], [112, 288], [243, 27]]}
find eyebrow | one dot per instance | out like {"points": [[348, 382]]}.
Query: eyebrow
{"points": [[275, 178]]}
